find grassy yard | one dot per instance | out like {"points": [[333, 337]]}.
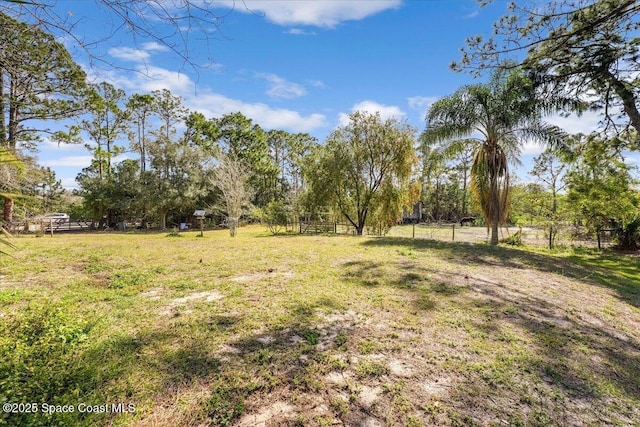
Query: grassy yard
{"points": [[303, 330]]}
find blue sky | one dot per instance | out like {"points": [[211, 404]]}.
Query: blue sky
{"points": [[301, 66]]}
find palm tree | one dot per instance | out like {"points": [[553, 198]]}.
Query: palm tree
{"points": [[505, 113]]}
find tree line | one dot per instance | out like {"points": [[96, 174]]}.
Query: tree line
{"points": [[581, 55]]}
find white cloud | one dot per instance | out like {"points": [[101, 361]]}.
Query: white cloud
{"points": [[386, 111], [212, 104], [216, 105], [318, 13], [472, 14], [69, 183], [531, 148], [137, 55], [280, 88], [78, 161], [149, 78], [315, 83], [300, 32], [48, 144], [129, 54], [421, 103], [155, 47], [586, 123], [69, 161]]}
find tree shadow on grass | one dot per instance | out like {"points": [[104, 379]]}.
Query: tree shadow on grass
{"points": [[412, 278], [565, 363], [618, 273]]}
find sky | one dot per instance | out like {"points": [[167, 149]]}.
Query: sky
{"points": [[301, 66]]}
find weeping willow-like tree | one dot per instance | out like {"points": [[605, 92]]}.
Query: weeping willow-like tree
{"points": [[499, 116]]}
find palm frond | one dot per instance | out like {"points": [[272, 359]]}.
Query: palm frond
{"points": [[5, 240], [9, 157]]}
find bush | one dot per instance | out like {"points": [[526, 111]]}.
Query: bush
{"points": [[628, 236], [515, 239], [276, 216]]}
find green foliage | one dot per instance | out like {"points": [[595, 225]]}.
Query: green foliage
{"points": [[574, 48], [600, 188], [362, 166], [276, 216], [40, 83], [311, 336], [176, 177], [514, 240], [628, 235], [46, 83], [139, 112], [505, 111], [38, 355], [371, 368], [224, 406], [238, 136], [124, 279]]}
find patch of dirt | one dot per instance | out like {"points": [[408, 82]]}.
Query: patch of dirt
{"points": [[370, 422], [400, 368], [268, 415], [206, 296], [369, 395], [438, 388], [154, 293], [338, 378], [265, 340]]}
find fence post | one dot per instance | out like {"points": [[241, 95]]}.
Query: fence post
{"points": [[335, 227], [453, 232], [598, 234], [413, 236]]}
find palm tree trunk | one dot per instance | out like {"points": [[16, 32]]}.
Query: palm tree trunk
{"points": [[8, 210], [494, 233]]}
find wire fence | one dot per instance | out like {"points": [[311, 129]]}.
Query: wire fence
{"points": [[534, 236]]}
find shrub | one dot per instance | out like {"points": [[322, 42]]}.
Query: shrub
{"points": [[276, 216], [628, 236]]}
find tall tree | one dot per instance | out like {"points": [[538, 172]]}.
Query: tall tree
{"points": [[360, 161], [576, 47], [140, 109], [176, 175], [505, 113], [239, 137], [39, 83], [106, 125]]}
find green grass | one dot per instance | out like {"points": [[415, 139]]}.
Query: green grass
{"points": [[317, 330]]}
